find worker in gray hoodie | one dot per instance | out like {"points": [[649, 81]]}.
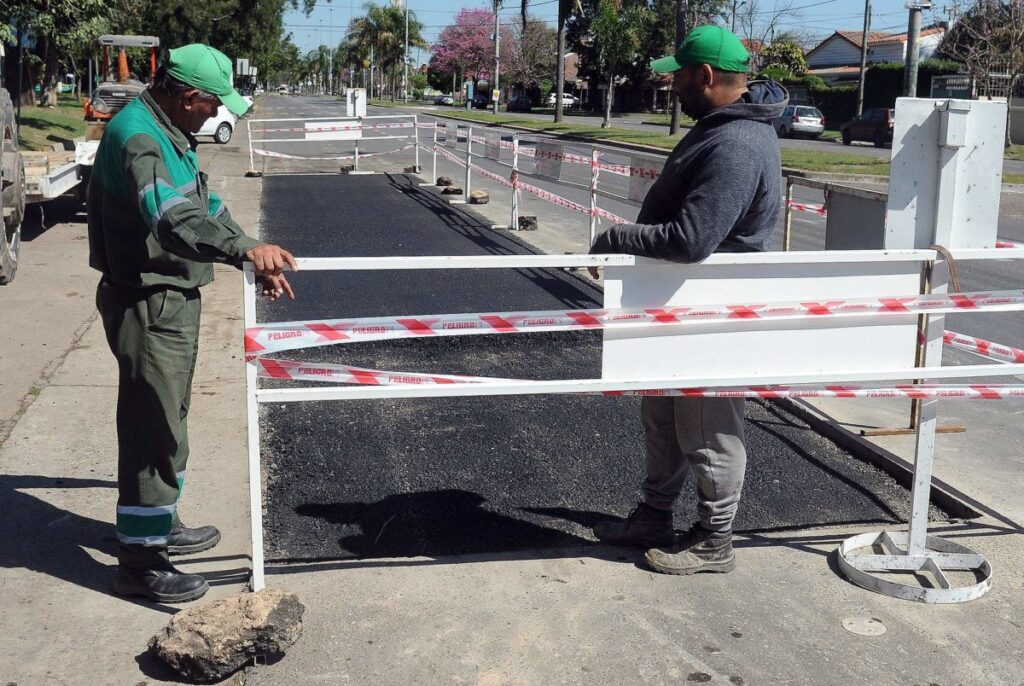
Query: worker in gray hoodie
{"points": [[720, 191]]}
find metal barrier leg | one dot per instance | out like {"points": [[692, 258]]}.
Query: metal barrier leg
{"points": [[433, 164], [257, 582], [593, 196], [916, 553], [252, 173], [787, 234], [416, 147], [514, 223], [469, 162]]}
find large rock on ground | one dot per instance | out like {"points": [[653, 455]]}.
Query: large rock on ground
{"points": [[479, 198], [209, 642]]}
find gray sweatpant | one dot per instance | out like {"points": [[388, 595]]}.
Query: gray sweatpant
{"points": [[704, 435]]}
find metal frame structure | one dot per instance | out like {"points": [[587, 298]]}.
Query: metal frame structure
{"points": [[414, 137], [900, 552]]}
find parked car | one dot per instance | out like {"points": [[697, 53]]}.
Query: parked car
{"points": [[874, 125], [799, 120], [481, 101], [282, 90], [520, 103], [568, 100], [444, 100], [222, 124]]}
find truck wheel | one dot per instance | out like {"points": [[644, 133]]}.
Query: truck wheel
{"points": [[879, 139], [12, 195], [847, 138], [223, 133]]}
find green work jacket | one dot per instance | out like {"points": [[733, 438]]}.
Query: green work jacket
{"points": [[152, 219]]}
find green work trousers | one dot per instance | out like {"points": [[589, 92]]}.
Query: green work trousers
{"points": [[154, 335]]}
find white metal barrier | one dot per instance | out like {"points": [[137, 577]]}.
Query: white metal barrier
{"points": [[553, 161], [312, 135], [798, 324]]}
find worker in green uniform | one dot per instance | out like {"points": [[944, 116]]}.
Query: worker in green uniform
{"points": [[155, 232]]}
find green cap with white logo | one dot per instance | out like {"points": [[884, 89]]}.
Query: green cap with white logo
{"points": [[711, 45], [207, 69]]}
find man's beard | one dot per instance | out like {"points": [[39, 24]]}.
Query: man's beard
{"points": [[689, 106]]}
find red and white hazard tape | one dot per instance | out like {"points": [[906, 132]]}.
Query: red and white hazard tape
{"points": [[281, 336], [271, 153], [1008, 244], [605, 214], [533, 190], [979, 346], [808, 207], [291, 370], [326, 129]]}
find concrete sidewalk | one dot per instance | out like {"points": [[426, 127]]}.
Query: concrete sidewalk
{"points": [[588, 615]]}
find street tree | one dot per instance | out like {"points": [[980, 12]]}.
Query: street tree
{"points": [[988, 38], [616, 31], [531, 56], [757, 22], [464, 49], [784, 55], [381, 32]]}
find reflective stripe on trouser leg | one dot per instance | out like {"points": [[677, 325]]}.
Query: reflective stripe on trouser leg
{"points": [[153, 334], [703, 435]]}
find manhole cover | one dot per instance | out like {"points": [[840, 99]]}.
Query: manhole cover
{"points": [[864, 626]]}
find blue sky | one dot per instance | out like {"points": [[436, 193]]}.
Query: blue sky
{"points": [[327, 24]]}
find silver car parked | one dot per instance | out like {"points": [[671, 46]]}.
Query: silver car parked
{"points": [[799, 120]]}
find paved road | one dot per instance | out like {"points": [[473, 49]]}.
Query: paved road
{"points": [[481, 475]]}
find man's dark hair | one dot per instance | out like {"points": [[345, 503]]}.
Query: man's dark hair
{"points": [[733, 79], [173, 87]]}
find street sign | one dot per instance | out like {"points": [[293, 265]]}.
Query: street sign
{"points": [[242, 66]]}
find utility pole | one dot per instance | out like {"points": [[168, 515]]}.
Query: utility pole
{"points": [[733, 26], [497, 54], [913, 52], [682, 9], [405, 57], [863, 56]]}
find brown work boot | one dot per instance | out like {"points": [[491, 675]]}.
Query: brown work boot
{"points": [[697, 550], [645, 527]]}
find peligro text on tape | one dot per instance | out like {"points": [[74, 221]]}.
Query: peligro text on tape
{"points": [[291, 370], [979, 346], [280, 336]]}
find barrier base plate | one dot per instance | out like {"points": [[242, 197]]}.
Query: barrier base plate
{"points": [[865, 558], [253, 174]]}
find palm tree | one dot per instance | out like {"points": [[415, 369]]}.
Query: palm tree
{"points": [[382, 32], [564, 10]]}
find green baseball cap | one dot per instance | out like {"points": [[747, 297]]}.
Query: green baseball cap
{"points": [[710, 45], [207, 69]]}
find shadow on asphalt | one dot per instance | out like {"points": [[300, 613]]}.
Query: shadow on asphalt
{"points": [[567, 287]]}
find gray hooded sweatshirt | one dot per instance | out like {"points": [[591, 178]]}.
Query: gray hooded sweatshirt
{"points": [[720, 190]]}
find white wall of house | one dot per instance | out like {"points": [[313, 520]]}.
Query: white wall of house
{"points": [[838, 52], [834, 52]]}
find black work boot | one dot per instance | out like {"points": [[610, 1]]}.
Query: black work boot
{"points": [[184, 540], [645, 527], [162, 583], [697, 550]]}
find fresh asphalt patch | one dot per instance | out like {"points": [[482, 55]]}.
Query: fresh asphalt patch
{"points": [[488, 475]]}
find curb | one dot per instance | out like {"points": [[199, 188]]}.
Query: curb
{"points": [[942, 494]]}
